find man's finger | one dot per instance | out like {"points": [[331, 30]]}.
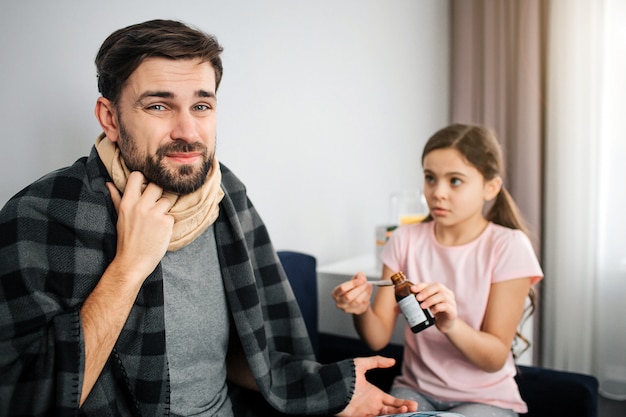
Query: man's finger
{"points": [[373, 362], [135, 182]]}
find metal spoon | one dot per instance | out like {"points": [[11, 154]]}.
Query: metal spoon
{"points": [[381, 282]]}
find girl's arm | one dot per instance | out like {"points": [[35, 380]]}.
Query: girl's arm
{"points": [[489, 347], [374, 323]]}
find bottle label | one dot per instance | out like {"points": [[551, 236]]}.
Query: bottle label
{"points": [[412, 311]]}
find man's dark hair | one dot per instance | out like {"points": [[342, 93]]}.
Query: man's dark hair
{"points": [[125, 49]]}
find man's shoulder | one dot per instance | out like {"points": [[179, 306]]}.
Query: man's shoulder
{"points": [[230, 181], [82, 181]]}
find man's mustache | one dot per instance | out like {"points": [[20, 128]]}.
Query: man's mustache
{"points": [[182, 147]]}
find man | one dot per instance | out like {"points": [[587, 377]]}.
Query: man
{"points": [[141, 280]]}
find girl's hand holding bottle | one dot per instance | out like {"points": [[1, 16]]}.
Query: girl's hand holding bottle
{"points": [[441, 302]]}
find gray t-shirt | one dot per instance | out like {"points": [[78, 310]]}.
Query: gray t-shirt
{"points": [[196, 329]]}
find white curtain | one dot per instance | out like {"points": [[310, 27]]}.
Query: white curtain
{"points": [[584, 305]]}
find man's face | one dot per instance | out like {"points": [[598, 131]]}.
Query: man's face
{"points": [[167, 122]]}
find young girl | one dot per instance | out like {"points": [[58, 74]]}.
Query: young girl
{"points": [[472, 270]]}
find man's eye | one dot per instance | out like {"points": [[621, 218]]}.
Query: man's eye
{"points": [[157, 107], [202, 107]]}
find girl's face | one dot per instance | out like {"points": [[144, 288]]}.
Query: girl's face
{"points": [[456, 191]]}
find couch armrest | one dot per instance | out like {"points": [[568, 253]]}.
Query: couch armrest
{"points": [[550, 392]]}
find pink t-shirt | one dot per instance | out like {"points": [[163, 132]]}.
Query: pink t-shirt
{"points": [[432, 365]]}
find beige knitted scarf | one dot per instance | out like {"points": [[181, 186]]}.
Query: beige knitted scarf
{"points": [[193, 213]]}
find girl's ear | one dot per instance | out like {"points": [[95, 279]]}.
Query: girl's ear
{"points": [[106, 115], [492, 188]]}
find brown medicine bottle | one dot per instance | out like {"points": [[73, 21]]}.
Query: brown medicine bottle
{"points": [[417, 317]]}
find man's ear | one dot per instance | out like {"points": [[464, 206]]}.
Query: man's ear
{"points": [[492, 188], [107, 116]]}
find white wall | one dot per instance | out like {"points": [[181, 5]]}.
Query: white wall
{"points": [[324, 106]]}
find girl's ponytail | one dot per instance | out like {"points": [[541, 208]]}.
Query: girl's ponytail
{"points": [[504, 211]]}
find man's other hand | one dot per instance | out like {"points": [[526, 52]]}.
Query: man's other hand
{"points": [[369, 400]]}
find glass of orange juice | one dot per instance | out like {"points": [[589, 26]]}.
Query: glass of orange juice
{"points": [[412, 218], [408, 207]]}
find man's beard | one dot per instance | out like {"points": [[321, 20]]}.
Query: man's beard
{"points": [[182, 180]]}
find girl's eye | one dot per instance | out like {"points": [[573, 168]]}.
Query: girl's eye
{"points": [[429, 179], [455, 182]]}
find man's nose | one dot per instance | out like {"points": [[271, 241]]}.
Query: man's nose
{"points": [[185, 127]]}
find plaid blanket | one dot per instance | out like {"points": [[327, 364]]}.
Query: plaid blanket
{"points": [[56, 238]]}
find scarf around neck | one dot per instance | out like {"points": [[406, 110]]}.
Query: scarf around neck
{"points": [[193, 213]]}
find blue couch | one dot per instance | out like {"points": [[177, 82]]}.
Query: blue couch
{"points": [[547, 392]]}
